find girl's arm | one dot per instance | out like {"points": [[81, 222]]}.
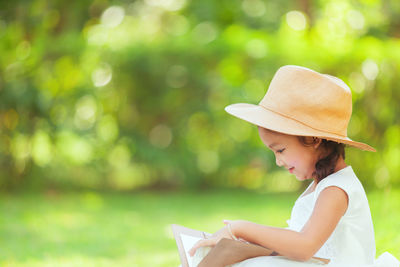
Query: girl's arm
{"points": [[301, 246]]}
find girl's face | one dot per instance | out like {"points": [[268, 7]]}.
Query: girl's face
{"points": [[290, 153]]}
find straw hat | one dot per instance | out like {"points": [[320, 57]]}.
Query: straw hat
{"points": [[303, 102]]}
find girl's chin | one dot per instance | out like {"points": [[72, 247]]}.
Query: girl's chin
{"points": [[301, 178]]}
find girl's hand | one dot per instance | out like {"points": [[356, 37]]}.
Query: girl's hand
{"points": [[213, 240]]}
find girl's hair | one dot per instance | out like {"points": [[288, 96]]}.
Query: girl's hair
{"points": [[331, 152]]}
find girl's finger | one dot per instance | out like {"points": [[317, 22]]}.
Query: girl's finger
{"points": [[227, 221], [201, 243], [194, 248]]}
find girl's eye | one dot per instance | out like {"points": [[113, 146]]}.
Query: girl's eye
{"points": [[280, 150]]}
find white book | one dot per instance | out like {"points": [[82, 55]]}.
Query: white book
{"points": [[185, 240]]}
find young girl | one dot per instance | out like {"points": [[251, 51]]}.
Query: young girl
{"points": [[303, 119]]}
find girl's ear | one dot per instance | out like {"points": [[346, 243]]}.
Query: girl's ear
{"points": [[317, 142]]}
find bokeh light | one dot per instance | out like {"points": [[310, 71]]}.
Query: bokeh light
{"points": [[102, 75], [355, 19], [254, 8], [74, 148], [208, 161], [205, 32], [161, 136], [296, 20], [370, 69], [107, 128], [171, 5], [256, 48], [41, 148], [112, 16], [177, 25], [85, 115]]}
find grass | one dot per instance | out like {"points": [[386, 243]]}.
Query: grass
{"points": [[91, 229]]}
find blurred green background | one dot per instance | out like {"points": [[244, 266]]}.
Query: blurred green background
{"points": [[112, 121]]}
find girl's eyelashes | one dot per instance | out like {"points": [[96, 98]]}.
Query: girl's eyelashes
{"points": [[280, 150]]}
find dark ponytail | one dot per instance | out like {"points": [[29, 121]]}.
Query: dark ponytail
{"points": [[331, 152]]}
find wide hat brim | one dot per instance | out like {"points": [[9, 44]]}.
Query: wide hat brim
{"points": [[274, 121]]}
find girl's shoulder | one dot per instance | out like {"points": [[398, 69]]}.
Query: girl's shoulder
{"points": [[345, 179]]}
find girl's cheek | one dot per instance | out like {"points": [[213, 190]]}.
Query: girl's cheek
{"points": [[293, 163]]}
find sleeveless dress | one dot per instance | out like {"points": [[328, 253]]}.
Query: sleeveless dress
{"points": [[351, 244]]}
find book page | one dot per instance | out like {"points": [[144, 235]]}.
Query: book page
{"points": [[185, 240], [188, 242]]}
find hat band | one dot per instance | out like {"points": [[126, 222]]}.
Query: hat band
{"points": [[286, 116]]}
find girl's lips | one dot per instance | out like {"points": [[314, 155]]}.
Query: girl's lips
{"points": [[291, 170]]}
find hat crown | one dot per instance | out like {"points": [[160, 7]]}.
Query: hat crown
{"points": [[319, 101]]}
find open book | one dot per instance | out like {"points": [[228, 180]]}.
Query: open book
{"points": [[218, 255], [185, 240], [215, 256]]}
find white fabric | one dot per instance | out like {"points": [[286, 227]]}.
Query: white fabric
{"points": [[352, 243]]}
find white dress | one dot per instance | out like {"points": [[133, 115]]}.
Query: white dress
{"points": [[352, 243]]}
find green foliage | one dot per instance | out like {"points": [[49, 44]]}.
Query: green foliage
{"points": [[121, 95]]}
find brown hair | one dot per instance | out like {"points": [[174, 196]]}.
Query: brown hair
{"points": [[330, 150]]}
